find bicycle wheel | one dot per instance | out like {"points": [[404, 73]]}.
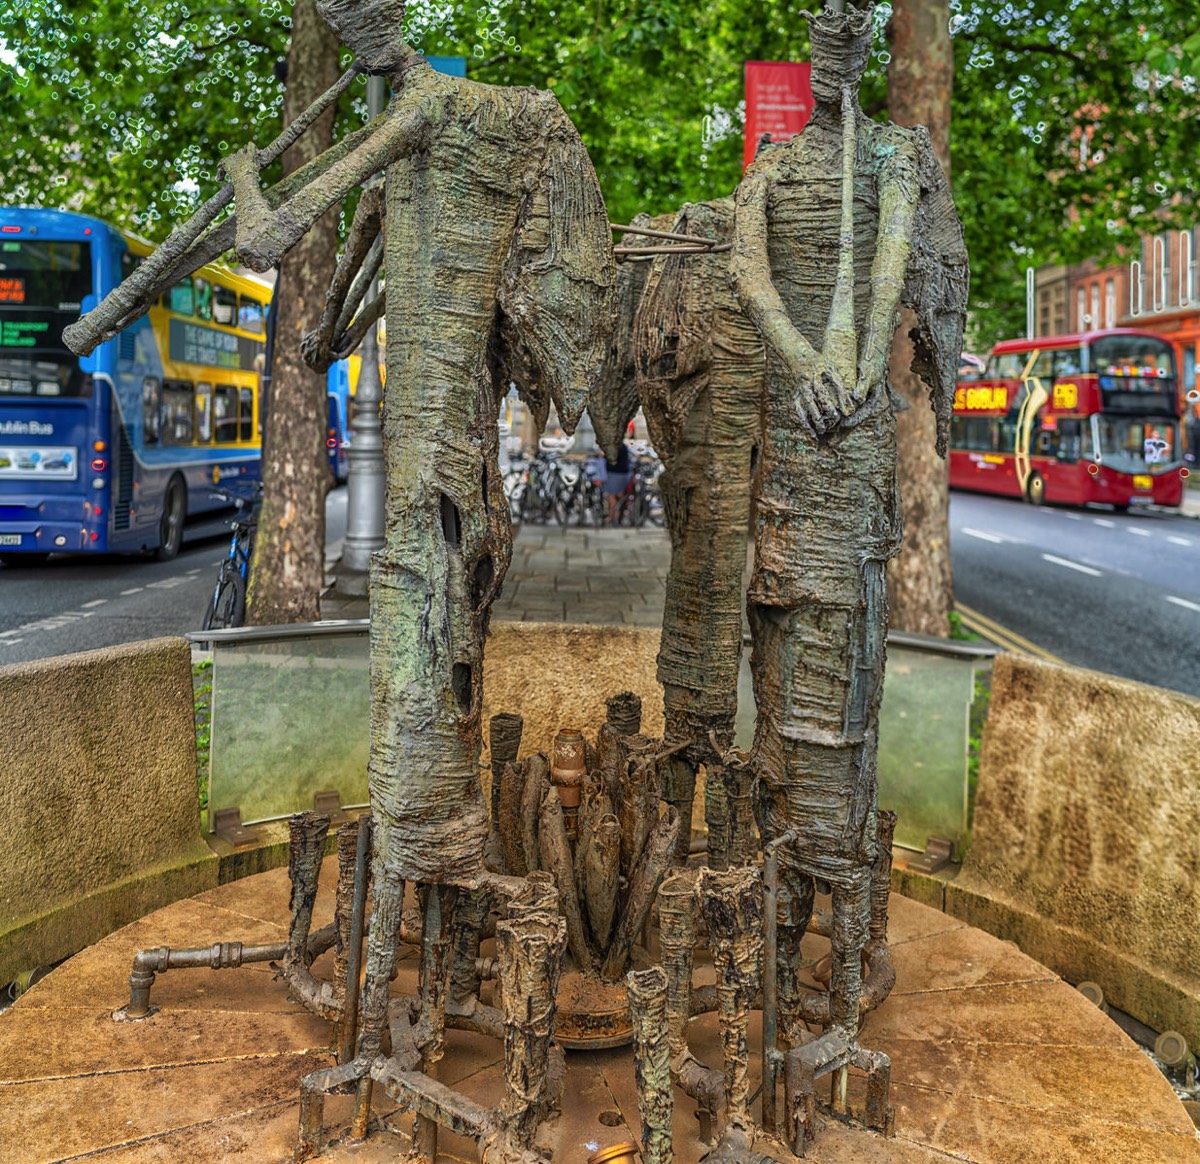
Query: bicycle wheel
{"points": [[228, 606]]}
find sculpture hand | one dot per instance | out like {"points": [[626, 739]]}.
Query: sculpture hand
{"points": [[315, 351], [818, 395]]}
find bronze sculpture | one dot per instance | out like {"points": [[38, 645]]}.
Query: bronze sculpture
{"points": [[835, 229]]}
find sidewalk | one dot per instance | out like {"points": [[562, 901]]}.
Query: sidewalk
{"points": [[568, 574]]}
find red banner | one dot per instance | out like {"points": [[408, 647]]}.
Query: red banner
{"points": [[778, 101]]}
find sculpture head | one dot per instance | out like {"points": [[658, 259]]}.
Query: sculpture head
{"points": [[371, 29], [841, 47]]}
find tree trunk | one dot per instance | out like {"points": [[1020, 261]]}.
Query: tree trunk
{"points": [[920, 580], [289, 556]]}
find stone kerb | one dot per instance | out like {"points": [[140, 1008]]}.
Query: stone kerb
{"points": [[98, 812], [1086, 849]]}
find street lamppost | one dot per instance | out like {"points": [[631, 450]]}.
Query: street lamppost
{"points": [[365, 492]]}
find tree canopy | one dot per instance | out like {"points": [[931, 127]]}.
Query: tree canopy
{"points": [[1072, 129]]}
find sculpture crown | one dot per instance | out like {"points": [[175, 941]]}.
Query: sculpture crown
{"points": [[841, 46], [371, 29]]}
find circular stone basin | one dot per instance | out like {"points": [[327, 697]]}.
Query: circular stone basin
{"points": [[994, 1059]]}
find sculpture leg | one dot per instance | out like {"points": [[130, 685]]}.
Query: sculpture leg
{"points": [[731, 903], [531, 950], [436, 956]]}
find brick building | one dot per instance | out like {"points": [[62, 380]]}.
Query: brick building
{"points": [[1158, 291]]}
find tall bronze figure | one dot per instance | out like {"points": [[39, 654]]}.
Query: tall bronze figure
{"points": [[834, 231]]}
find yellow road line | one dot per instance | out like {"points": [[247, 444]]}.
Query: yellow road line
{"points": [[1001, 635]]}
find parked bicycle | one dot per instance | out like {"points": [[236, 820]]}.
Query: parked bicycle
{"points": [[642, 502], [227, 607]]}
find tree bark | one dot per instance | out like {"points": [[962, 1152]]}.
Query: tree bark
{"points": [[289, 556], [920, 580]]}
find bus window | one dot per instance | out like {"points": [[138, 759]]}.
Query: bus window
{"points": [[1043, 366], [1068, 362], [250, 316], [1008, 366], [225, 413], [203, 413], [183, 298], [225, 306], [1070, 436], [246, 415], [129, 263], [151, 409], [177, 413], [1134, 444], [203, 299]]}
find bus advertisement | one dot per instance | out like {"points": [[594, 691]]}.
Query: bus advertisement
{"points": [[115, 451], [1072, 420]]}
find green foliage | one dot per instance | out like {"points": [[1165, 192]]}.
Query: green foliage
{"points": [[202, 690], [123, 111], [977, 718], [1073, 124], [958, 629], [1073, 130]]}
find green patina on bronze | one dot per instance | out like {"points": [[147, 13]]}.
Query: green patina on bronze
{"points": [[700, 370], [834, 230]]}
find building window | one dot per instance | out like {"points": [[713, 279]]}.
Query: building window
{"points": [[1160, 273], [1110, 303], [1081, 310], [1187, 269], [1094, 321], [1136, 289]]}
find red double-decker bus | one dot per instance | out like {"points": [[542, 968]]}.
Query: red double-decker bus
{"points": [[1072, 419]]}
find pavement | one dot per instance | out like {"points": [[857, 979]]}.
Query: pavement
{"points": [[565, 574]]}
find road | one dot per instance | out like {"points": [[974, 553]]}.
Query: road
{"points": [[77, 603], [1117, 593], [1097, 589]]}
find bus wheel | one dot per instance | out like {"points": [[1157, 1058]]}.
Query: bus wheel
{"points": [[1035, 490], [170, 530]]}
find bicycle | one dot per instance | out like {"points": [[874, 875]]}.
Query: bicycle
{"points": [[228, 605], [642, 501]]}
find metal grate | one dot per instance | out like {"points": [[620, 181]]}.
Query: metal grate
{"points": [[123, 497]]}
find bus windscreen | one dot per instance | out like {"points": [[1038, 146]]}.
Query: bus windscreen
{"points": [[42, 285]]}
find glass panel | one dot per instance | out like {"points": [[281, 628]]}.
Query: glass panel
{"points": [[1134, 444], [272, 707], [203, 412], [203, 299], [225, 406], [151, 409], [1135, 363], [250, 315], [246, 432], [183, 298], [177, 413], [225, 306], [923, 739], [923, 728]]}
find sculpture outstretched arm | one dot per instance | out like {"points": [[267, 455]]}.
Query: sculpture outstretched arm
{"points": [[899, 190], [182, 253], [264, 235], [818, 385], [358, 266]]}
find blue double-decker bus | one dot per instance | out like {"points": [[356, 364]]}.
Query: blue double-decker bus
{"points": [[116, 451]]}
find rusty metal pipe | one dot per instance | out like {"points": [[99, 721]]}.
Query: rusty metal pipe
{"points": [[770, 988], [358, 912], [148, 964]]}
